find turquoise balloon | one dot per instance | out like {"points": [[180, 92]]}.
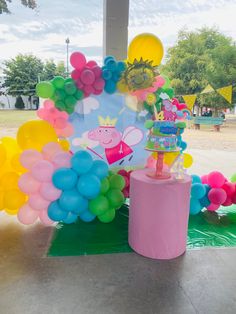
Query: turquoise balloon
{"points": [[89, 186], [100, 169], [70, 218], [196, 179], [82, 162], [86, 216], [71, 200], [198, 190], [195, 206], [64, 179], [55, 212]]}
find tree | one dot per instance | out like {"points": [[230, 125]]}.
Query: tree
{"points": [[51, 70], [21, 75], [27, 3], [19, 103], [200, 58]]}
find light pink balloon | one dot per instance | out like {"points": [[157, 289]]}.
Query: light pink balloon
{"points": [[160, 81], [50, 149], [48, 104], [29, 157], [66, 132], [78, 60], [43, 216], [28, 184], [62, 159], [60, 123], [26, 215], [42, 171], [37, 202], [49, 192], [41, 113], [204, 179]]}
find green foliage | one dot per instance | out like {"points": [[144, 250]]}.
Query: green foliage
{"points": [[202, 57], [27, 3], [23, 73], [19, 103]]}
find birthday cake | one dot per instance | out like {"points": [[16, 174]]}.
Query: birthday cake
{"points": [[162, 136]]}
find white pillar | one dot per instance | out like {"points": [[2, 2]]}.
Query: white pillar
{"points": [[115, 28]]}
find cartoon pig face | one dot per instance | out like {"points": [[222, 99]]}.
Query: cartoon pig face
{"points": [[107, 137]]}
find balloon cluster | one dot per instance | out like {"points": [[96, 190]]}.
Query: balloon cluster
{"points": [[37, 182], [11, 198], [126, 175], [58, 119], [211, 191], [111, 73], [87, 75], [62, 91], [87, 191]]}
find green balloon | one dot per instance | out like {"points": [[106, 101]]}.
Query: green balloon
{"points": [[69, 80], [70, 88], [108, 216], [70, 100], [45, 89], [59, 94], [169, 91], [58, 82], [105, 186], [60, 105], [115, 198], [117, 182], [233, 178], [99, 205], [167, 82], [149, 124], [69, 110], [79, 94], [181, 125]]}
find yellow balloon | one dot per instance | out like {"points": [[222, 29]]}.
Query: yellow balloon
{"points": [[35, 134], [10, 145], [65, 145], [146, 46], [9, 180], [188, 160], [169, 158], [13, 199], [6, 168], [1, 199], [11, 211], [3, 154], [16, 165], [122, 86]]}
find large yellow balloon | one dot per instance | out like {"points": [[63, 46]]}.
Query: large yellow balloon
{"points": [[16, 165], [146, 46], [1, 199], [65, 145], [9, 180], [3, 154], [13, 199], [188, 160], [10, 145], [35, 134]]}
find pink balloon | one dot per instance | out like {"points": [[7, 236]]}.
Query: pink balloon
{"points": [[78, 60], [75, 74], [160, 81], [43, 216], [204, 179], [87, 77], [97, 71], [229, 188], [96, 92], [88, 89], [99, 84], [42, 171], [217, 196], [91, 64], [216, 179], [50, 149], [66, 132], [234, 198], [26, 215], [28, 184], [63, 114], [29, 157], [228, 201], [60, 123], [48, 104], [213, 207], [37, 202], [41, 113], [49, 192], [62, 159], [79, 84]]}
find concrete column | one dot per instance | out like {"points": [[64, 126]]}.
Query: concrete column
{"points": [[115, 28]]}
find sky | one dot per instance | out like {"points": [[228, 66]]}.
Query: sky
{"points": [[43, 31]]}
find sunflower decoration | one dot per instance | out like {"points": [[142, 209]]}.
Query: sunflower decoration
{"points": [[140, 74]]}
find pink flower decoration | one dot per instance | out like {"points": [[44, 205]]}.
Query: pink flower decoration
{"points": [[142, 93]]}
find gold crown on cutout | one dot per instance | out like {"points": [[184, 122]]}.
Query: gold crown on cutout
{"points": [[106, 121]]}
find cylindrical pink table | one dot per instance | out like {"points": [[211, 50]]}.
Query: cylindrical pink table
{"points": [[158, 215]]}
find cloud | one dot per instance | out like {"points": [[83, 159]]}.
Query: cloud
{"points": [[87, 105], [84, 141]]}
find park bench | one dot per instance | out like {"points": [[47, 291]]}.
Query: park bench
{"points": [[216, 122]]}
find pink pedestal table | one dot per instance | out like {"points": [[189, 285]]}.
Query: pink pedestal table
{"points": [[158, 215]]}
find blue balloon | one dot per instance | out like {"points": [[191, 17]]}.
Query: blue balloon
{"points": [[64, 179], [89, 186], [196, 179], [100, 169], [181, 131], [70, 218], [55, 212], [179, 113], [72, 201], [198, 190], [81, 162], [183, 145], [116, 76], [195, 206], [111, 65], [106, 74], [86, 216], [205, 201], [110, 87], [207, 187], [107, 58], [121, 66]]}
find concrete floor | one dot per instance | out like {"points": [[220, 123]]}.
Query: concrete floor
{"points": [[201, 281]]}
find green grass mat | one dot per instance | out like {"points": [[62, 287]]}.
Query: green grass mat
{"points": [[206, 229]]}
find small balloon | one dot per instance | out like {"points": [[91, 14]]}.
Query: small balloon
{"points": [[26, 215]]}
